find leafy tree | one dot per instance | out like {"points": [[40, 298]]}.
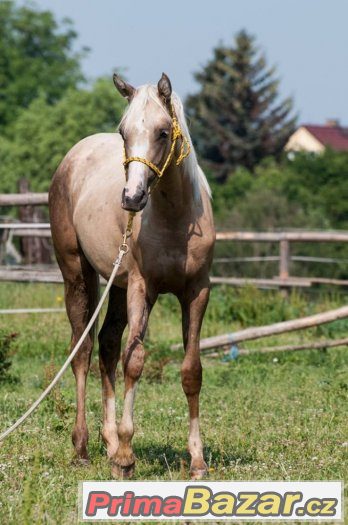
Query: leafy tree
{"points": [[320, 182], [36, 57], [309, 192], [42, 134], [237, 119]]}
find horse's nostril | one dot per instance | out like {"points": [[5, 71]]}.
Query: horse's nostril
{"points": [[138, 197], [134, 199], [133, 202]]}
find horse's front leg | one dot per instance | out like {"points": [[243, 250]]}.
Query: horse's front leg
{"points": [[194, 302], [110, 337], [138, 309]]}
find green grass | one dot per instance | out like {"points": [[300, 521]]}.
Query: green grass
{"points": [[263, 417]]}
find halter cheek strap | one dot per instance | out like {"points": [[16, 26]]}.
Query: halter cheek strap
{"points": [[177, 134]]}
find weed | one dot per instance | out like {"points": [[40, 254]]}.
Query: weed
{"points": [[56, 401], [6, 355]]}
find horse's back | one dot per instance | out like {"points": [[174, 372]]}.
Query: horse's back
{"points": [[100, 153]]}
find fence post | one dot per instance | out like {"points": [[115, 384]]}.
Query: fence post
{"points": [[284, 264], [34, 249], [3, 239], [25, 215], [284, 261]]}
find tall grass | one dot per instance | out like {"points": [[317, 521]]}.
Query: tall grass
{"points": [[264, 416]]}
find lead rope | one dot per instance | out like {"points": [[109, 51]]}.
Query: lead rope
{"points": [[122, 251]]}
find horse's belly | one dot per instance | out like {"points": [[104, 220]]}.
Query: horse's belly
{"points": [[101, 253]]}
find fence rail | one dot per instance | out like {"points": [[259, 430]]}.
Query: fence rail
{"points": [[25, 225], [24, 229], [276, 258], [290, 236], [258, 332], [23, 199]]}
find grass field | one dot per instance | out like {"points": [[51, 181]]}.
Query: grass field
{"points": [[273, 416]]}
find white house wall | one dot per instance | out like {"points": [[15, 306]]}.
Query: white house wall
{"points": [[303, 140]]}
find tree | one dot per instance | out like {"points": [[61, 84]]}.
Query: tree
{"points": [[36, 57], [237, 119], [314, 187], [39, 138], [307, 192]]}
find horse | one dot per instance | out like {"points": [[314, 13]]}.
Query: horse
{"points": [[102, 179]]}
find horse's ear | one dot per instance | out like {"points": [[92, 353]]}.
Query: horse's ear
{"points": [[123, 87], [164, 88]]}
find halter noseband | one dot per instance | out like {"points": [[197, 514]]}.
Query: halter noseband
{"points": [[177, 134]]}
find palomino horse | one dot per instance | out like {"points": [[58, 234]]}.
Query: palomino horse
{"points": [[170, 250]]}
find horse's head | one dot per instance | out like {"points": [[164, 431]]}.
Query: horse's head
{"points": [[146, 129]]}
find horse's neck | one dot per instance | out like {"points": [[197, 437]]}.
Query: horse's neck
{"points": [[172, 198]]}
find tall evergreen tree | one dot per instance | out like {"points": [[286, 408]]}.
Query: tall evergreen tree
{"points": [[236, 117]]}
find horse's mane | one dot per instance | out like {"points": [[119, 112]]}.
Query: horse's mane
{"points": [[190, 163]]}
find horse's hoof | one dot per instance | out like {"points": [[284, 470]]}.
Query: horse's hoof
{"points": [[80, 462], [198, 473], [122, 471]]}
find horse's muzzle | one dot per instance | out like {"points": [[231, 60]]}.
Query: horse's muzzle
{"points": [[136, 202]]}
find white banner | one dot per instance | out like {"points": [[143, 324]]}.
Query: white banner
{"points": [[216, 500]]}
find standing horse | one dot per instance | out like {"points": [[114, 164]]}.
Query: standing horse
{"points": [[170, 250]]}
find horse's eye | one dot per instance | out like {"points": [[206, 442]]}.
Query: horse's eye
{"points": [[164, 133]]}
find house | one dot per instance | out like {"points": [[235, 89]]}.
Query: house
{"points": [[315, 139]]}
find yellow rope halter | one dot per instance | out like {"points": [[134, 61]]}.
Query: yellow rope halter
{"points": [[177, 134]]}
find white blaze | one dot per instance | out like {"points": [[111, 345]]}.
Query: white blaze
{"points": [[136, 170]]}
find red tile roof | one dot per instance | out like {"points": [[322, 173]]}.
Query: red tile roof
{"points": [[335, 137]]}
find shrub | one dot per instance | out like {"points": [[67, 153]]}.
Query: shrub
{"points": [[6, 352]]}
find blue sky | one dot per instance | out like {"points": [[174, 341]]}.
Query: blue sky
{"points": [[306, 39]]}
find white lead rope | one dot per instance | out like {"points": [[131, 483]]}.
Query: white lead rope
{"points": [[45, 393]]}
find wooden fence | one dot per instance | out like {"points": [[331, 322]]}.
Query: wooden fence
{"points": [[284, 239], [51, 273], [32, 248], [283, 280]]}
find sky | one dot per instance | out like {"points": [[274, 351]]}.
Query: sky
{"points": [[307, 40]]}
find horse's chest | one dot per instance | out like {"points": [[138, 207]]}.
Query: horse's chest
{"points": [[168, 265]]}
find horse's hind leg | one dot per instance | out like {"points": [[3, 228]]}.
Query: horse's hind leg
{"points": [[193, 302], [110, 337], [81, 294]]}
